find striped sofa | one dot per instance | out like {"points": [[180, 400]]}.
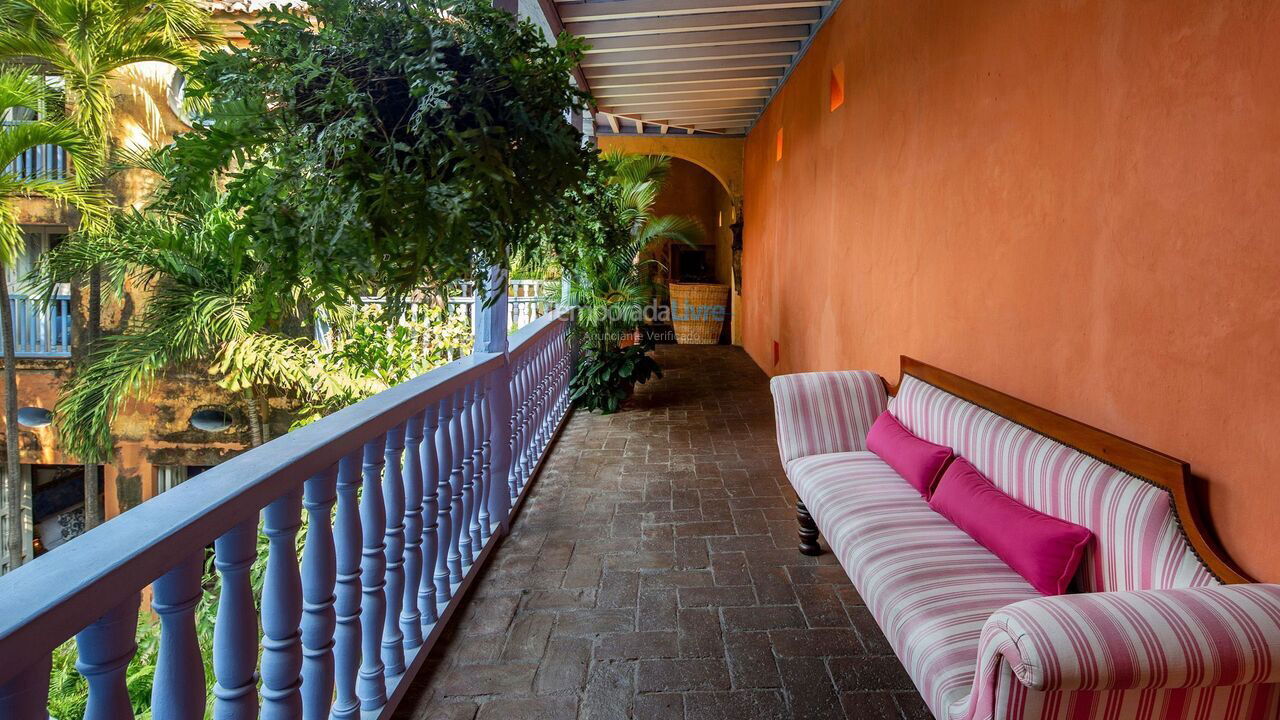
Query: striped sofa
{"points": [[1151, 633]]}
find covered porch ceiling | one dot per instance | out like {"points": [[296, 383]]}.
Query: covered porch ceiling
{"points": [[686, 66]]}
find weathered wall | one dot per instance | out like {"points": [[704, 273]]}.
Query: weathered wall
{"points": [[156, 430], [1074, 202]]}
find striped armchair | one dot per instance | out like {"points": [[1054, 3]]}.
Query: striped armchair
{"points": [[1151, 633]]}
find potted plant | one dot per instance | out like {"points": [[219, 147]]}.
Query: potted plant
{"points": [[605, 250]]}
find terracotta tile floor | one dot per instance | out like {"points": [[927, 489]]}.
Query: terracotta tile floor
{"points": [[653, 574]]}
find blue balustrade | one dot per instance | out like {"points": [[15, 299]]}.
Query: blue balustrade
{"points": [[178, 691], [466, 431], [42, 162], [319, 581], [457, 526], [235, 632], [393, 544], [282, 610], [405, 496], [41, 329], [430, 516], [410, 612], [106, 647], [347, 541]]}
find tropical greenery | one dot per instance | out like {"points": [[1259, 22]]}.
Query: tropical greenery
{"points": [[608, 257], [195, 260], [365, 164], [20, 88], [87, 45]]}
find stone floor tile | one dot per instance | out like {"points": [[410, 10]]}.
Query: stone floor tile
{"points": [[653, 574]]}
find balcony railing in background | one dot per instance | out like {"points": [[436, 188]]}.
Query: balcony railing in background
{"points": [[41, 331], [527, 301], [424, 477], [48, 162]]}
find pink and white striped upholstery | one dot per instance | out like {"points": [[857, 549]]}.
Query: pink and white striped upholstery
{"points": [[928, 584], [1139, 545], [825, 412], [1195, 653], [978, 640]]}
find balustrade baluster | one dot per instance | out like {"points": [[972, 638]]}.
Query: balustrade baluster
{"points": [[410, 613], [521, 463], [519, 445], [178, 691], [235, 632], [467, 433], [478, 510], [347, 543], [457, 520], [371, 687], [105, 649], [319, 581], [393, 498], [484, 425], [430, 515], [444, 500], [497, 448], [282, 610], [25, 696]]}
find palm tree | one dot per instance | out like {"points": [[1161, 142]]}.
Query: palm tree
{"points": [[204, 309], [88, 43], [639, 179], [21, 89], [611, 279]]}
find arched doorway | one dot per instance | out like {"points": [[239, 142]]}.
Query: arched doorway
{"points": [[694, 192]]}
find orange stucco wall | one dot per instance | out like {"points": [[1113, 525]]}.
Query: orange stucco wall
{"points": [[1075, 202]]}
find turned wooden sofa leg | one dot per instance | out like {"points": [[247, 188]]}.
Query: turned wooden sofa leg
{"points": [[808, 531]]}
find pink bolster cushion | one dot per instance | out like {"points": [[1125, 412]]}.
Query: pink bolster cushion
{"points": [[919, 461], [1041, 548]]}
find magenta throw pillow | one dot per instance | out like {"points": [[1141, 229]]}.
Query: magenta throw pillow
{"points": [[919, 461], [1041, 548]]}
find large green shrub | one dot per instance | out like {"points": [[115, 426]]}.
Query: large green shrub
{"points": [[386, 147]]}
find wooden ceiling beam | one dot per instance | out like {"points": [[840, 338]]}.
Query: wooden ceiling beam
{"points": [[701, 38], [780, 51], [578, 12], [689, 23]]}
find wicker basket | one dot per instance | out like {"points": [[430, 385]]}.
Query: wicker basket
{"points": [[698, 312]]}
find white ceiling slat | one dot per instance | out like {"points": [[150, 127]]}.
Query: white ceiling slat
{"points": [[663, 8], [672, 88], [606, 71], [705, 66], [781, 51], [700, 119], [679, 24], [647, 98], [701, 38], [758, 75], [666, 107]]}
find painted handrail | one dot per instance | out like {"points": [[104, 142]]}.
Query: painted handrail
{"points": [[41, 331], [345, 625]]}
